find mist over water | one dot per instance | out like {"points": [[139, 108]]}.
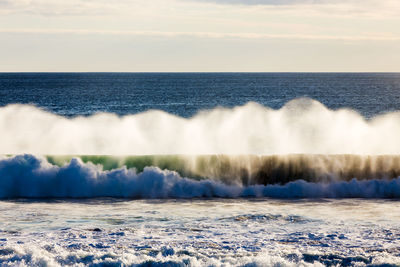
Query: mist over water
{"points": [[302, 126]]}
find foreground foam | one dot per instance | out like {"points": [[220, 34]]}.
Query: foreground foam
{"points": [[301, 126], [28, 176]]}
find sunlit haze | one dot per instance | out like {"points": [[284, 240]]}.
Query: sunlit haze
{"points": [[202, 35]]}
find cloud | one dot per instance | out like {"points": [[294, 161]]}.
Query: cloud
{"points": [[371, 8], [266, 2], [212, 35], [47, 7], [327, 8], [5, 3]]}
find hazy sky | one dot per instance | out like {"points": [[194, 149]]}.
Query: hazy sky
{"points": [[200, 35]]}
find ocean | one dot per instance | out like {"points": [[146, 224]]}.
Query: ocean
{"points": [[199, 169]]}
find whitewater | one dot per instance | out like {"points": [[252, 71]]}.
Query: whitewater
{"points": [[28, 176], [199, 232]]}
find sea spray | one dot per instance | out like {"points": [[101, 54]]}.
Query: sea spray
{"points": [[302, 126]]}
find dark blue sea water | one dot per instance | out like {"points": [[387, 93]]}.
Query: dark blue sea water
{"points": [[184, 94]]}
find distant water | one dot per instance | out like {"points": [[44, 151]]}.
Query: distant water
{"points": [[306, 174], [184, 94]]}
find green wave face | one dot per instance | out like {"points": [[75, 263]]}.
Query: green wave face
{"points": [[170, 162], [252, 169], [113, 162]]}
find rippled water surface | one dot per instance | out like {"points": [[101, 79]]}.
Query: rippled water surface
{"points": [[185, 94]]}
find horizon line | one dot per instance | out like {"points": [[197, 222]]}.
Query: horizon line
{"points": [[194, 72]]}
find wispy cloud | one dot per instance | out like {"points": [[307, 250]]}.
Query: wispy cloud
{"points": [[267, 2], [47, 7], [329, 8], [382, 37], [102, 7]]}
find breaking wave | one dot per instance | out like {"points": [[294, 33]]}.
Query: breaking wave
{"points": [[301, 150], [28, 176]]}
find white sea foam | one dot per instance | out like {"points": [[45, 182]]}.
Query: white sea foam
{"points": [[33, 177], [301, 126], [201, 232]]}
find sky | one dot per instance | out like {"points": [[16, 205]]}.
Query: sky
{"points": [[200, 35]]}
